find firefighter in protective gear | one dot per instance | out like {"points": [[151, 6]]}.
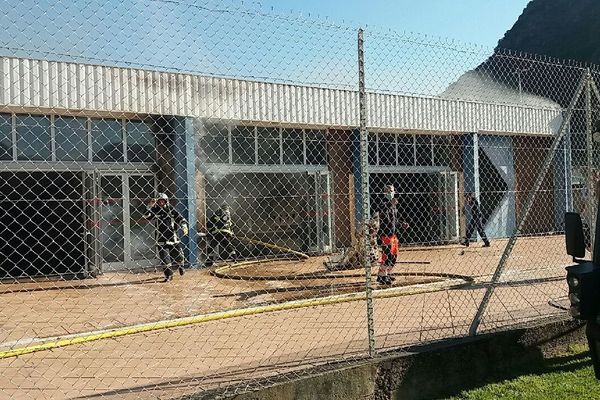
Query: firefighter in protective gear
{"points": [[476, 222], [168, 221], [220, 231], [389, 229]]}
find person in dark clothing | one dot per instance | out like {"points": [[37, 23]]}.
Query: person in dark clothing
{"points": [[389, 229], [220, 231], [168, 220], [476, 222]]}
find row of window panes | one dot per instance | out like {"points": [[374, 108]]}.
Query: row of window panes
{"points": [[61, 138], [391, 149], [578, 141], [251, 145]]}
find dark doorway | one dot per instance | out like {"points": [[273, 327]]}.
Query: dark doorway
{"points": [[425, 201], [41, 224], [286, 209]]}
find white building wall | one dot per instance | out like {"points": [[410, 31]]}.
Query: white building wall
{"points": [[40, 84]]}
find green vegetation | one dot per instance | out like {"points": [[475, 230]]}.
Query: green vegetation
{"points": [[568, 376]]}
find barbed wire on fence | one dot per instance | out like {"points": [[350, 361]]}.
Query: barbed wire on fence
{"points": [[230, 194]]}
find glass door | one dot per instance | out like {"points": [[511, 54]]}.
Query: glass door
{"points": [[112, 222], [319, 206], [91, 223], [323, 212], [142, 250], [448, 206], [124, 239]]}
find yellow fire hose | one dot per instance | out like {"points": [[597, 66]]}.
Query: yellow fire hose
{"points": [[84, 337], [224, 271], [274, 246]]}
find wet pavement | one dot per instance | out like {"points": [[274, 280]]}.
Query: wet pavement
{"points": [[168, 362]]}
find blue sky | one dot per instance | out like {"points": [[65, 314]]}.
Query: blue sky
{"points": [[251, 40], [477, 21]]}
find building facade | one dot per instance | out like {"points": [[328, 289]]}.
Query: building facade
{"points": [[83, 148]]}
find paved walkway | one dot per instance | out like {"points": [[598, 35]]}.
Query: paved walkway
{"points": [[173, 361]]}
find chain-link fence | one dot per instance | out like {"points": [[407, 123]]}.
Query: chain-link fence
{"points": [[205, 197]]}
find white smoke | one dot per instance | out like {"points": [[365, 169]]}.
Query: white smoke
{"points": [[476, 86]]}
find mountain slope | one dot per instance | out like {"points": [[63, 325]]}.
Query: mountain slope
{"points": [[559, 31]]}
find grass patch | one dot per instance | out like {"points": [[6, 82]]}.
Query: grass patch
{"points": [[567, 376]]}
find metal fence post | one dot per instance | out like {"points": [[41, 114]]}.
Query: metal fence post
{"points": [[590, 154], [528, 205], [364, 182]]}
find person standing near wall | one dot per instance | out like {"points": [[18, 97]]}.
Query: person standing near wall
{"points": [[168, 221], [220, 232], [476, 222], [389, 229]]}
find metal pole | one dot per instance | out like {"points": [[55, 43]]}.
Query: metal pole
{"points": [[520, 87], [568, 172], [590, 153], [594, 88], [530, 199], [364, 142], [595, 249]]}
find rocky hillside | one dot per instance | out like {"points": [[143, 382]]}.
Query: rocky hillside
{"points": [[567, 29], [563, 29]]}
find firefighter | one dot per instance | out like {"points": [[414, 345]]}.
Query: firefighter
{"points": [[476, 222], [220, 235], [168, 220], [389, 229]]}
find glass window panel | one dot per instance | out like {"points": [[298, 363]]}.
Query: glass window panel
{"points": [[140, 142], [112, 231], [442, 150], [268, 145], [71, 138], [243, 141], [107, 140], [293, 146], [6, 137], [424, 155], [372, 149], [578, 157], [578, 140], [214, 144], [33, 138], [406, 150], [141, 190], [387, 149], [316, 148]]}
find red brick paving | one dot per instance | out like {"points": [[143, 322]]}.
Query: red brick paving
{"points": [[169, 362]]}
